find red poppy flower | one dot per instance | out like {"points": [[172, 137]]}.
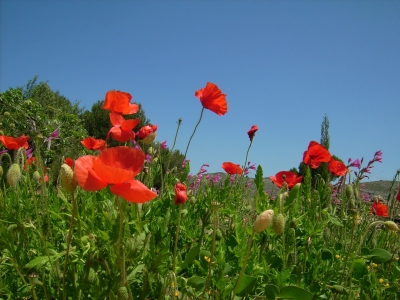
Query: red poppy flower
{"points": [[232, 168], [119, 102], [315, 155], [337, 168], [252, 132], [93, 144], [212, 98], [379, 209], [115, 166], [180, 193], [69, 161], [29, 162], [286, 176], [398, 195], [122, 129], [147, 133], [12, 143]]}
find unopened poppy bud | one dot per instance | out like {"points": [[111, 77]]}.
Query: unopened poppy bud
{"points": [[149, 138], [12, 125], [350, 195], [1, 132], [278, 223], [155, 159], [390, 225], [263, 220], [67, 178], [150, 150], [92, 275], [6, 114], [123, 293], [180, 193], [14, 174], [36, 176]]}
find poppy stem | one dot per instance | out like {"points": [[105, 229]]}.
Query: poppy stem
{"points": [[244, 264], [247, 155], [71, 225], [176, 246], [194, 131]]}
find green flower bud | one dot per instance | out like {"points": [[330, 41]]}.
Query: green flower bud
{"points": [[36, 176], [278, 223], [92, 275], [123, 293], [67, 178], [390, 225], [14, 174], [6, 114], [263, 220]]}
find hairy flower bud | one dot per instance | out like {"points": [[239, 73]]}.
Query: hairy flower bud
{"points": [[350, 195], [390, 225], [278, 223], [6, 114], [92, 275], [36, 176], [14, 174], [122, 293], [263, 220], [67, 178], [150, 150]]}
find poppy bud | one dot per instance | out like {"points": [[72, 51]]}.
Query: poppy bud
{"points": [[263, 220], [67, 178], [36, 176], [350, 195], [13, 174], [6, 114], [278, 223], [150, 150], [122, 293], [392, 226], [92, 275], [149, 138], [180, 193]]}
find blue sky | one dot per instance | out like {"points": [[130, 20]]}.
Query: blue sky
{"points": [[282, 64]]}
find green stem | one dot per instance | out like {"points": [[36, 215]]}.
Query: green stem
{"points": [[176, 245], [212, 250], [69, 241], [194, 131], [244, 264], [247, 154], [170, 153]]}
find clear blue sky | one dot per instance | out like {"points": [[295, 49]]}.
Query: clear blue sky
{"points": [[282, 64]]}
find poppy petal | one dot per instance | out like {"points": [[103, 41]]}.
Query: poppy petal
{"points": [[130, 124], [133, 191], [116, 119], [119, 164], [211, 97], [85, 175], [232, 168]]}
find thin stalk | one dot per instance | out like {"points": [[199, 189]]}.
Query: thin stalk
{"points": [[176, 246], [244, 264], [170, 153], [120, 247], [71, 225], [247, 154], [212, 250], [194, 131]]}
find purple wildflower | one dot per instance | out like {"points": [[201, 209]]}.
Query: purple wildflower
{"points": [[163, 144]]}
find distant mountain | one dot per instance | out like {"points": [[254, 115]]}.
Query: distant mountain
{"points": [[373, 188]]}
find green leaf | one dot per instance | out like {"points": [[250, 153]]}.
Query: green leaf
{"points": [[359, 269], [37, 262], [294, 292], [293, 194], [246, 285], [131, 276], [380, 255], [190, 257], [271, 291], [197, 283], [326, 254]]}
